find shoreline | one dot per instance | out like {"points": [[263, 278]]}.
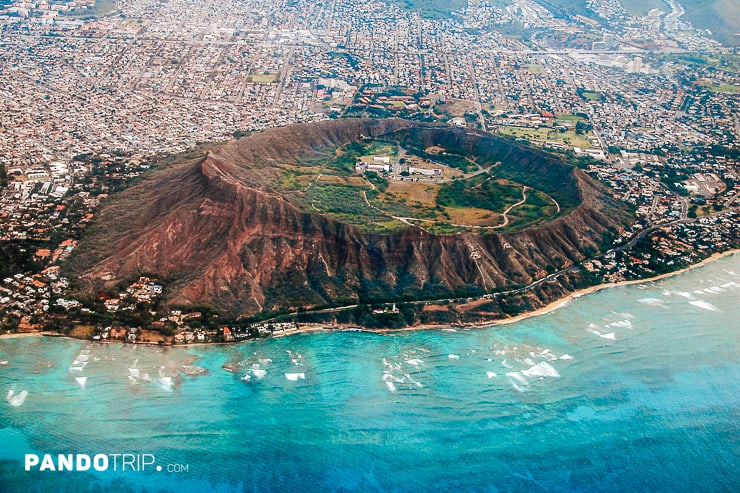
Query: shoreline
{"points": [[555, 304], [600, 287], [523, 316]]}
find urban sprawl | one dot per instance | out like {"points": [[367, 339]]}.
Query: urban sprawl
{"points": [[92, 94]]}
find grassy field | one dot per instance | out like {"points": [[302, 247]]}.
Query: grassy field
{"points": [[381, 148], [568, 118], [538, 208], [263, 78], [591, 95], [480, 192], [101, 8], [546, 134], [728, 62], [724, 88], [432, 9]]}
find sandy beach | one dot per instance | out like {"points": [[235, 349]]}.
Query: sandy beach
{"points": [[17, 335]]}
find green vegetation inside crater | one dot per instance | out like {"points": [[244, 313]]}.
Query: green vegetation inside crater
{"points": [[479, 192], [473, 182]]}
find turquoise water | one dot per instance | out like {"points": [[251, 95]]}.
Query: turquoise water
{"points": [[634, 388]]}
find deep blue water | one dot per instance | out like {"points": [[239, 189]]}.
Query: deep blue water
{"points": [[634, 388]]}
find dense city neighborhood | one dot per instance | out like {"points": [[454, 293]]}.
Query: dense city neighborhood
{"points": [[92, 99]]}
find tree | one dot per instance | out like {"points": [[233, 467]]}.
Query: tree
{"points": [[582, 127]]}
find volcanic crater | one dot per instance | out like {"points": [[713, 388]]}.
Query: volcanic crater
{"points": [[295, 218]]}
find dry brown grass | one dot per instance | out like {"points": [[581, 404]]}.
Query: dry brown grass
{"points": [[411, 192], [305, 180], [153, 337], [356, 181], [82, 331], [458, 107], [473, 217], [333, 180]]}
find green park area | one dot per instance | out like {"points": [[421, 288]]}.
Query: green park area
{"points": [[432, 9], [100, 8], [568, 138], [724, 88]]}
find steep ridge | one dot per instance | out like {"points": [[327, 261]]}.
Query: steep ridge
{"points": [[219, 233]]}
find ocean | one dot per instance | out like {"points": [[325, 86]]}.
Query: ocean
{"points": [[633, 388]]}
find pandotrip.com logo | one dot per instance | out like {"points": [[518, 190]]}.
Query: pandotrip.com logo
{"points": [[98, 462]]}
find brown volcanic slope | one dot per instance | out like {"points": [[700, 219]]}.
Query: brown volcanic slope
{"points": [[218, 233]]}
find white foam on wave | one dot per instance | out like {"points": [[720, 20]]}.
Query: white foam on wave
{"points": [[491, 374], [685, 294], [295, 376], [81, 380], [716, 290], [566, 356], [414, 361], [705, 305], [391, 386], [611, 335], [259, 374], [453, 356], [652, 301], [518, 377], [547, 354], [165, 383], [731, 284], [18, 399], [625, 324], [541, 369], [295, 358], [699, 291]]}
